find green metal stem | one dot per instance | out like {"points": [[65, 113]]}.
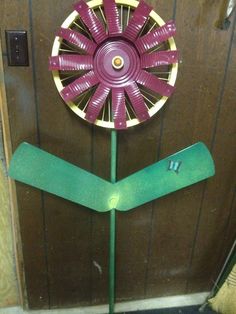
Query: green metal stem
{"points": [[112, 226]]}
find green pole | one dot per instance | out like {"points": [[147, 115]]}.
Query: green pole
{"points": [[112, 226]]}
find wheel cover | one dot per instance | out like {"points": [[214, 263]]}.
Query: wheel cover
{"points": [[115, 62]]}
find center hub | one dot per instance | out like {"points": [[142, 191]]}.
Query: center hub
{"points": [[116, 63]]}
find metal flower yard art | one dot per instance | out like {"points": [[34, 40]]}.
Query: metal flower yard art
{"points": [[115, 64]]}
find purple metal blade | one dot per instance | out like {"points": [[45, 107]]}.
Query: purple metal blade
{"points": [[156, 37], [70, 63], [137, 21], [96, 103], [91, 21], [137, 101], [78, 40], [158, 58], [155, 84], [71, 91], [112, 16], [118, 108]]}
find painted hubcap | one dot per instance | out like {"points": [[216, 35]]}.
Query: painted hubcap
{"points": [[116, 63]]}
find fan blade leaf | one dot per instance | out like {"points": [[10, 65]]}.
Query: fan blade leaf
{"points": [[118, 108], [70, 63], [137, 101], [159, 58], [173, 173], [90, 19], [80, 85], [112, 16], [137, 21], [155, 84], [96, 103], [49, 173], [78, 40], [156, 37]]}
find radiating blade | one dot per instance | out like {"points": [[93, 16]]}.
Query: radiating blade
{"points": [[137, 102], [137, 21], [156, 37], [49, 173], [154, 83], [77, 39], [96, 103], [74, 89], [173, 173], [112, 16], [70, 62], [118, 108], [91, 21], [158, 58]]}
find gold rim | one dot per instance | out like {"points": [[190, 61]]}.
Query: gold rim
{"points": [[172, 74]]}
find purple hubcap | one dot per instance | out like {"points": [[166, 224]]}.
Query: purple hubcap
{"points": [[104, 63]]}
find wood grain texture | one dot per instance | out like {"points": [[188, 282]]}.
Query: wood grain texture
{"points": [[100, 222], [14, 268], [218, 207], [190, 117], [230, 234], [67, 227], [138, 148], [23, 127], [14, 16], [8, 281]]}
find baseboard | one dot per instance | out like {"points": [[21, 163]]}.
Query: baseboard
{"points": [[147, 304]]}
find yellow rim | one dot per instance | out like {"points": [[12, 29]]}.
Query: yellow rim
{"points": [[93, 4]]}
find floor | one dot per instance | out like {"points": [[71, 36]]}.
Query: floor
{"points": [[185, 310], [177, 310], [181, 304]]}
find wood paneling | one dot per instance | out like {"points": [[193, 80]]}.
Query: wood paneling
{"points": [[13, 269], [189, 117], [133, 228], [23, 126], [67, 226], [171, 246], [8, 283], [100, 222], [217, 206]]}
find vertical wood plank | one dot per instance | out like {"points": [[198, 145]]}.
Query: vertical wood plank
{"points": [[67, 226], [189, 117], [217, 204], [229, 235], [138, 147], [10, 257], [14, 15], [100, 222], [8, 286], [23, 127]]}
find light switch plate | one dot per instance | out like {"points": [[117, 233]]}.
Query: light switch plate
{"points": [[17, 47]]}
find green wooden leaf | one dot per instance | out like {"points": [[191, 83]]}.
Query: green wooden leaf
{"points": [[44, 171], [175, 172]]}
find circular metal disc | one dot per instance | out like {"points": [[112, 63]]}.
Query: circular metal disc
{"points": [[116, 63]]}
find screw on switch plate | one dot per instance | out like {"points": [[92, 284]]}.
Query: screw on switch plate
{"points": [[17, 48]]}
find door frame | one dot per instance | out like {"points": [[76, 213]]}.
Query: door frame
{"points": [[7, 146]]}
